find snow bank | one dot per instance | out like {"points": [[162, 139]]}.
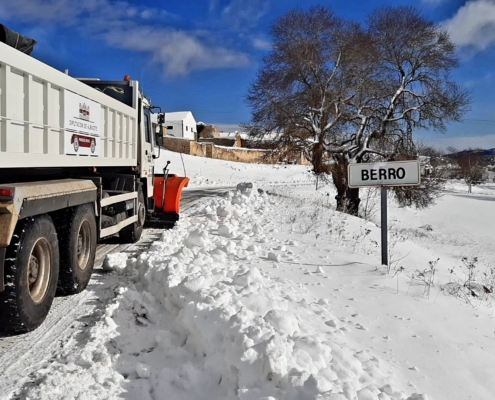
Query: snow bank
{"points": [[202, 319]]}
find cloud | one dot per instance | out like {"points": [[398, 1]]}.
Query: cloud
{"points": [[178, 52], [464, 142], [433, 3], [243, 14], [479, 80], [261, 44], [67, 12], [227, 127], [39, 10], [473, 26], [122, 25]]}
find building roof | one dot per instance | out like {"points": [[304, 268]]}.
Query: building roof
{"points": [[177, 116]]}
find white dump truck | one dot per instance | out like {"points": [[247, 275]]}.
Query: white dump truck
{"points": [[76, 166]]}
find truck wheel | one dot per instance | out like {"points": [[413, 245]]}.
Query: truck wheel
{"points": [[77, 250], [132, 233], [31, 273]]}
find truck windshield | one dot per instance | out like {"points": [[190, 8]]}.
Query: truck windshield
{"points": [[120, 91]]}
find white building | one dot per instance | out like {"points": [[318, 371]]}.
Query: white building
{"points": [[181, 124]]}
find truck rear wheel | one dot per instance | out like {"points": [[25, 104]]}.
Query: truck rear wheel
{"points": [[31, 273], [77, 250], [132, 233]]}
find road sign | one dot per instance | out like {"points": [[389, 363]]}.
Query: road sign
{"points": [[393, 173], [384, 174]]}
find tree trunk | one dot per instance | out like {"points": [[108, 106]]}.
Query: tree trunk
{"points": [[320, 169], [347, 199], [317, 159]]}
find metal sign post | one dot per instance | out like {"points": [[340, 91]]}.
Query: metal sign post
{"points": [[384, 226], [384, 174]]}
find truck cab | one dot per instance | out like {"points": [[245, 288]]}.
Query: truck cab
{"points": [[130, 92]]}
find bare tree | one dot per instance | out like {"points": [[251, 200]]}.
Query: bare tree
{"points": [[426, 149], [346, 93], [471, 164]]}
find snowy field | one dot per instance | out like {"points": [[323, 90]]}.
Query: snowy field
{"points": [[266, 292]]}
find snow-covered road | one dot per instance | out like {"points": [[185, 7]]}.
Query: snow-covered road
{"points": [[22, 355]]}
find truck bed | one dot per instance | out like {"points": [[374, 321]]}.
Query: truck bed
{"points": [[48, 119]]}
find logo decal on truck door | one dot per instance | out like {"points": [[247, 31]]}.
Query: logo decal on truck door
{"points": [[82, 123], [82, 141], [83, 111], [79, 144]]}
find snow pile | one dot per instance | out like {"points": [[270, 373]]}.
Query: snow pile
{"points": [[207, 173], [204, 319], [115, 262]]}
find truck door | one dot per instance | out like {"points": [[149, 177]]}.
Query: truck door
{"points": [[148, 150]]}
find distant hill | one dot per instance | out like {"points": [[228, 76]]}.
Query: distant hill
{"points": [[490, 153]]}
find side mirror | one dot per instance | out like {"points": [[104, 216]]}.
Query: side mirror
{"points": [[161, 118], [159, 139]]}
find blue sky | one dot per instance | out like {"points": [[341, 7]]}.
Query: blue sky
{"points": [[201, 55]]}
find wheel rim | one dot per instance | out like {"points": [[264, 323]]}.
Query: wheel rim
{"points": [[39, 270], [83, 245]]}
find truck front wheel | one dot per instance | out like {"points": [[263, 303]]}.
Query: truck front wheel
{"points": [[132, 233], [31, 273], [77, 250]]}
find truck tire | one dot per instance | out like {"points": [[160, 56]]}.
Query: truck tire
{"points": [[77, 250], [132, 233], [31, 273]]}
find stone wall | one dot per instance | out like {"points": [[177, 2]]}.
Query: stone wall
{"points": [[177, 145], [201, 149], [241, 155], [210, 150]]}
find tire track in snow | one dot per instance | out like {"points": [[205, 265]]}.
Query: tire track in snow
{"points": [[21, 355]]}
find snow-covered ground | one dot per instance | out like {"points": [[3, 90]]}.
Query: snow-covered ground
{"points": [[266, 292]]}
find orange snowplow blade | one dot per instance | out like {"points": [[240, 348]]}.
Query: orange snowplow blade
{"points": [[173, 192]]}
